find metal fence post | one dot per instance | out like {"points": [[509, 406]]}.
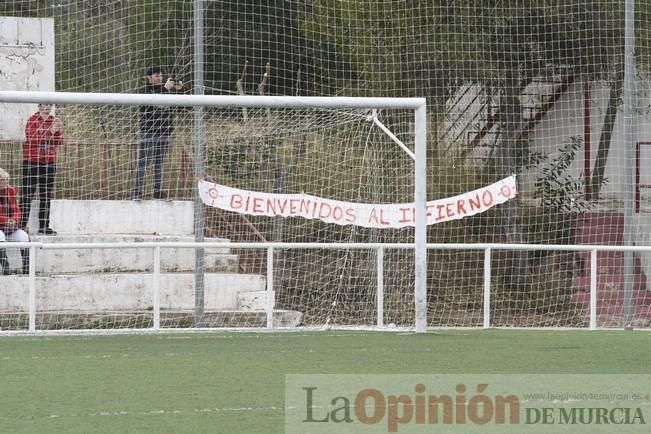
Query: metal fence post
{"points": [[593, 289], [380, 285], [487, 287], [32, 288], [156, 288], [270, 288]]}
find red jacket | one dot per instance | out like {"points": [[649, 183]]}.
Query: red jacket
{"points": [[9, 208], [40, 144]]}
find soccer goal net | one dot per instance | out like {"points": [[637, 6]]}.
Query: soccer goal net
{"points": [[273, 170]]}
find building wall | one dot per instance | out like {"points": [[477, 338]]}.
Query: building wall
{"points": [[468, 114], [567, 119], [27, 62]]}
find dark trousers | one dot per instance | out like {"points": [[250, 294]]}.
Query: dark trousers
{"points": [[154, 149], [37, 176]]}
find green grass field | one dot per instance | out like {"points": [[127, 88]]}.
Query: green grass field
{"points": [[234, 382]]}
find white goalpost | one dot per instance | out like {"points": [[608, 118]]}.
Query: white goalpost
{"points": [[312, 115]]}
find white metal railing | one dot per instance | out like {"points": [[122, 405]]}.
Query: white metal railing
{"points": [[270, 247]]}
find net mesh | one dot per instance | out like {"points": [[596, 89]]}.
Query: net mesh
{"points": [[533, 89]]}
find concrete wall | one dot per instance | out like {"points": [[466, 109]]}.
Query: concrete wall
{"points": [[27, 62], [128, 291], [59, 261], [153, 217], [565, 120]]}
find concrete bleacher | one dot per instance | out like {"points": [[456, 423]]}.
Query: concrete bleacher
{"points": [[96, 280]]}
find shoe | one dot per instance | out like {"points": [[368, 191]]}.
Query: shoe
{"points": [[136, 199], [24, 254], [47, 231], [4, 263]]}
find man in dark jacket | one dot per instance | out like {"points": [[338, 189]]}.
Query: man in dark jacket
{"points": [[155, 129]]}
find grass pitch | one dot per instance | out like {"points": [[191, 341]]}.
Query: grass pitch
{"points": [[234, 382]]}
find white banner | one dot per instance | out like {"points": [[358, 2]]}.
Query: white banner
{"points": [[349, 213]]}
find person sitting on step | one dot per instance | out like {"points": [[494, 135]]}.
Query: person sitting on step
{"points": [[10, 218]]}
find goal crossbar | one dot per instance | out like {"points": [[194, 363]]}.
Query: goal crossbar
{"points": [[213, 100]]}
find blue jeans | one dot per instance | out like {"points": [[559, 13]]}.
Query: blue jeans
{"points": [[150, 148]]}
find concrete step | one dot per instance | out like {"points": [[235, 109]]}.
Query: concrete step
{"points": [[120, 260], [145, 319], [125, 291], [118, 217], [66, 237], [253, 300]]}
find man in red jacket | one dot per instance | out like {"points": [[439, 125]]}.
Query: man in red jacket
{"points": [[43, 137], [10, 217]]}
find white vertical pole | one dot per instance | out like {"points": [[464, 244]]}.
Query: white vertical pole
{"points": [[420, 236], [629, 159], [32, 289], [593, 289], [487, 287], [199, 273], [270, 287], [379, 260], [156, 288]]}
